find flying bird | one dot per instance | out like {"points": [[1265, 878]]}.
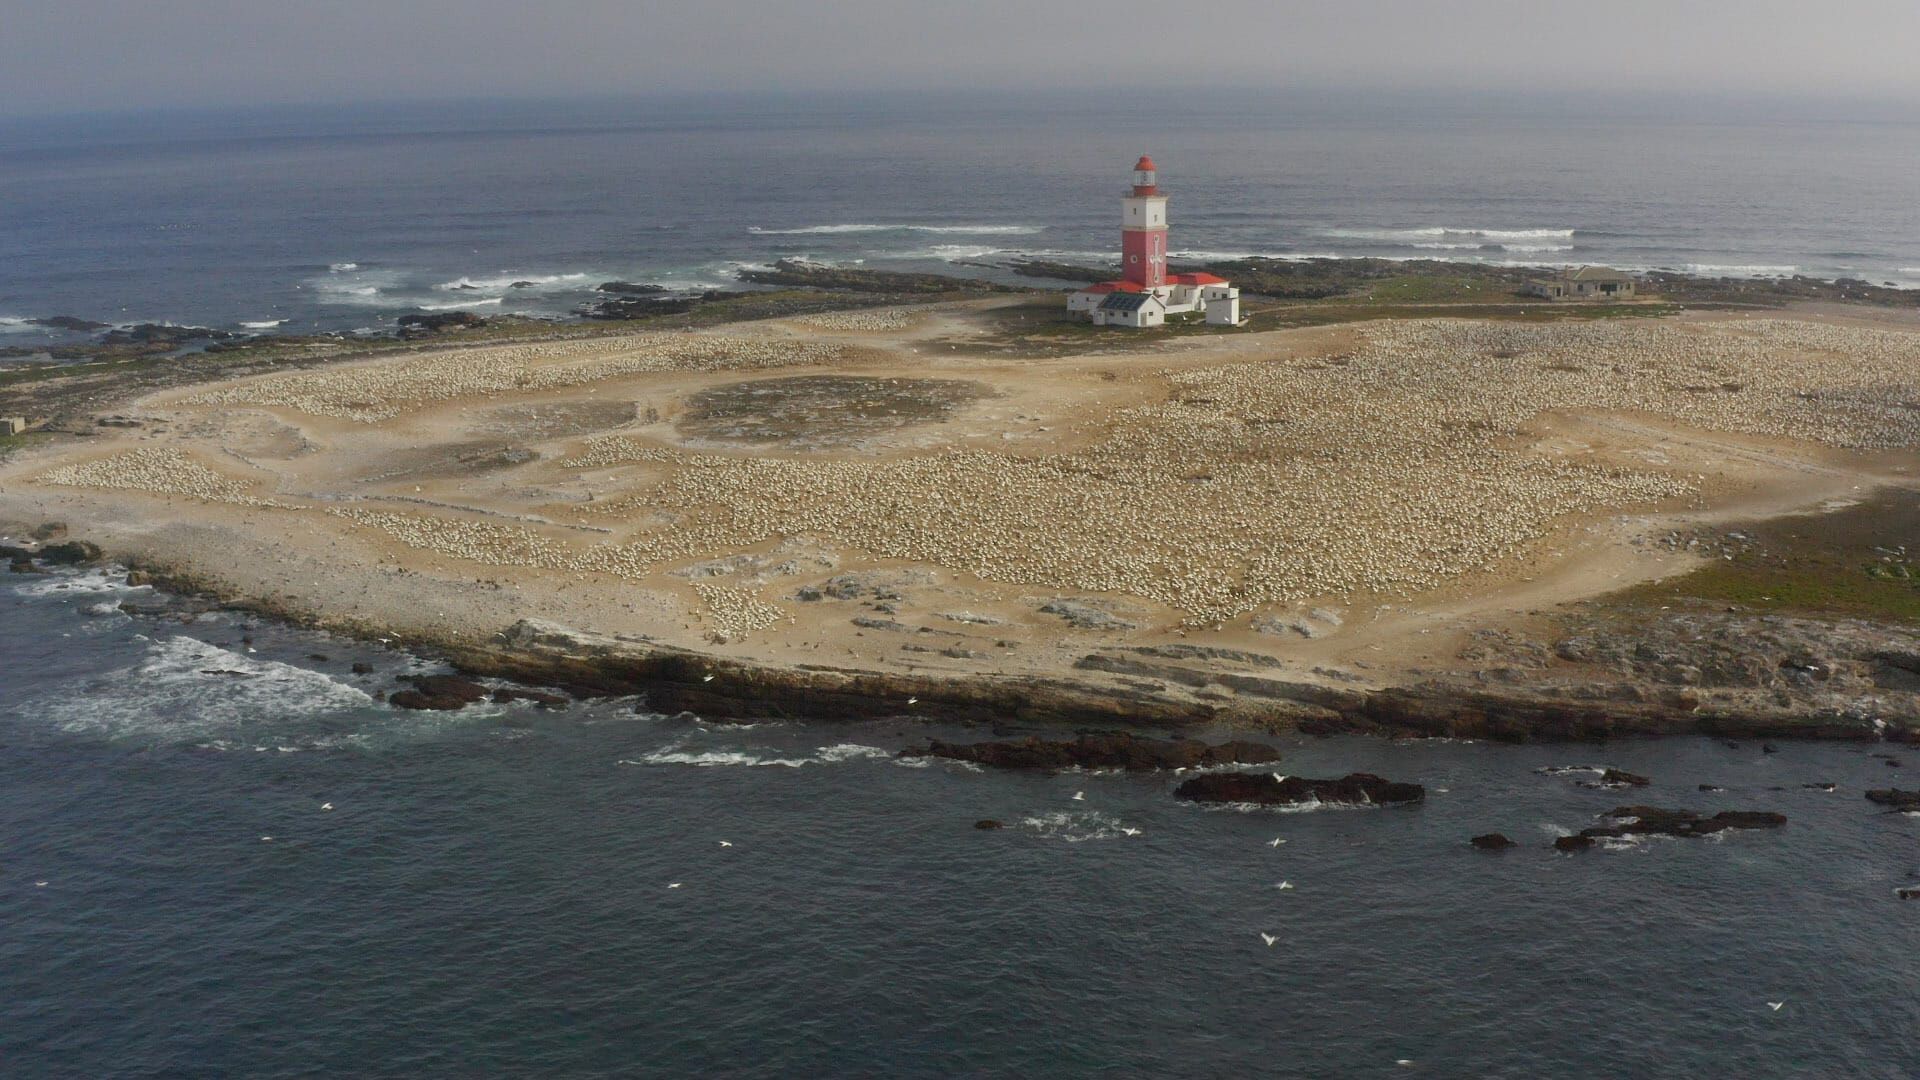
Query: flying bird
{"points": [[39, 884], [673, 885], [1130, 830], [1275, 842], [1269, 939], [1284, 885], [266, 839], [726, 843], [706, 678], [913, 701], [326, 806], [1775, 1005], [1079, 796]]}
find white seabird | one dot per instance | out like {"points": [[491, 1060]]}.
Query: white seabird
{"points": [[1269, 939], [1079, 796]]}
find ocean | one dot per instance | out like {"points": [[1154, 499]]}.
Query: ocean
{"points": [[344, 218], [219, 856]]}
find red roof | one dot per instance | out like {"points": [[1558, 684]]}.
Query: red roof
{"points": [[1196, 279], [1145, 164], [1114, 286]]}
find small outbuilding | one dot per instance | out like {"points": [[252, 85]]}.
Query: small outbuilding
{"points": [[1135, 309], [12, 425], [1585, 283]]}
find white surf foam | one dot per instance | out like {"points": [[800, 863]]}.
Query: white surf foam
{"points": [[828, 230], [1739, 270], [170, 694], [10, 324], [1434, 233], [460, 305], [506, 282], [263, 324], [85, 582], [343, 267], [678, 754], [1076, 826]]}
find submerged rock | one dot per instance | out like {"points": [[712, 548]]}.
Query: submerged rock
{"points": [[1119, 750], [988, 823], [443, 693], [1492, 841], [1354, 789], [1896, 798], [1656, 821]]}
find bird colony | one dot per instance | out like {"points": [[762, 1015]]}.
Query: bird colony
{"points": [[885, 319], [1394, 469], [157, 470], [370, 393]]}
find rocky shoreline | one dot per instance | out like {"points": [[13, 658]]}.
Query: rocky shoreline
{"points": [[669, 679]]}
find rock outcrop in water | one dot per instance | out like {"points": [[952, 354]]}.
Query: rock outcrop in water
{"points": [[1118, 750], [1492, 841], [1896, 798], [1655, 821], [438, 692], [1266, 789]]}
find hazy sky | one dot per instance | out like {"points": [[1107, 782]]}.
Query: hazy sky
{"points": [[61, 55]]}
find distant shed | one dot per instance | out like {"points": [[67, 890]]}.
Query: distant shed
{"points": [[12, 425], [1586, 283]]}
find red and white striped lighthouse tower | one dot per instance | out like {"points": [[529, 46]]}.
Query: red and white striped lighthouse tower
{"points": [[1143, 229]]}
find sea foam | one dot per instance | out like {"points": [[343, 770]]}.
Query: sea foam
{"points": [[817, 230]]}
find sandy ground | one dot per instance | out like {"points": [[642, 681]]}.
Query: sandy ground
{"points": [[923, 509]]}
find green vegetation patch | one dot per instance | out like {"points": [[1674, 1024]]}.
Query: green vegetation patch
{"points": [[1861, 561]]}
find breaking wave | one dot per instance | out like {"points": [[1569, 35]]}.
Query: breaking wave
{"points": [[189, 691], [678, 754], [509, 281], [982, 230], [263, 324]]}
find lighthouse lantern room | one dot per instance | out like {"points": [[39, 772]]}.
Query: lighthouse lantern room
{"points": [[1145, 295]]}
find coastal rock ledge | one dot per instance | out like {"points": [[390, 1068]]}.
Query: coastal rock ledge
{"points": [[1118, 750], [1656, 821], [1268, 789]]}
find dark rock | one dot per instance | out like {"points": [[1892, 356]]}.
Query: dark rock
{"points": [[1768, 748], [50, 530], [1492, 841], [988, 823], [162, 334], [523, 285], [1895, 797], [1655, 821], [1360, 789], [1579, 842], [1619, 778], [360, 668], [628, 288], [71, 553], [1118, 750], [1908, 892], [1711, 787], [319, 658], [68, 322], [440, 321], [1821, 786], [24, 566], [439, 692], [138, 578]]}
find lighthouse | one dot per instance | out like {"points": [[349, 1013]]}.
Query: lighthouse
{"points": [[1146, 294], [1143, 229]]}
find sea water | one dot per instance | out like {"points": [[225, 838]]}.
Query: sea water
{"points": [[296, 220], [220, 856]]}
